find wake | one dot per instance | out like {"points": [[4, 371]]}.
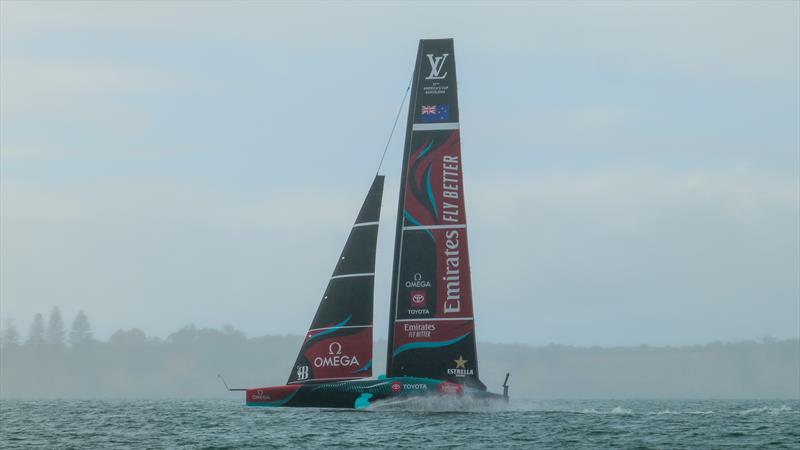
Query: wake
{"points": [[447, 403]]}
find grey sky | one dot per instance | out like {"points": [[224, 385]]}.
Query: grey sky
{"points": [[632, 170]]}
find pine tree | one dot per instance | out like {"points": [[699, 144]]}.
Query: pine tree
{"points": [[10, 336], [81, 332], [36, 333], [55, 329]]}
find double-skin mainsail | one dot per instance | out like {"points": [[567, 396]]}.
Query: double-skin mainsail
{"points": [[431, 325]]}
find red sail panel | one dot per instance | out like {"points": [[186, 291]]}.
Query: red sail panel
{"points": [[336, 356], [432, 331], [434, 191]]}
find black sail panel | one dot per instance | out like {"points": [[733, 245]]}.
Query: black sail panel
{"points": [[338, 344], [431, 329]]}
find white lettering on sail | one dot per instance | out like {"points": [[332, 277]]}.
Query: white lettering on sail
{"points": [[335, 357], [417, 298], [452, 214], [450, 184], [437, 62], [419, 330], [452, 278], [336, 361], [418, 282]]}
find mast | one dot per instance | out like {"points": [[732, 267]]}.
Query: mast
{"points": [[431, 324], [338, 345], [398, 234]]}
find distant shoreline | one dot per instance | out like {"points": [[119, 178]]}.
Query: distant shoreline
{"points": [[185, 366]]}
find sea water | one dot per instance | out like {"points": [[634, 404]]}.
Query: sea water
{"points": [[413, 424]]}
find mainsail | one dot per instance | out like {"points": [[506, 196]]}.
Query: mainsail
{"points": [[338, 345], [431, 328]]}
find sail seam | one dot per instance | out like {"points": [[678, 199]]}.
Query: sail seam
{"points": [[348, 326], [326, 379], [436, 319], [349, 275], [433, 227], [435, 126]]}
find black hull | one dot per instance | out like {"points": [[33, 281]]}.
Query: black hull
{"points": [[362, 393]]}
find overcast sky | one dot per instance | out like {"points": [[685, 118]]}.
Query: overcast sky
{"points": [[632, 170]]}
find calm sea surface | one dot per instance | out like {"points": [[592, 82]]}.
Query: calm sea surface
{"points": [[420, 424]]}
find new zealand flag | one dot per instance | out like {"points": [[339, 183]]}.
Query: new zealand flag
{"points": [[435, 113]]}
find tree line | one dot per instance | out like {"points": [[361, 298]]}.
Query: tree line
{"points": [[53, 361], [54, 335]]}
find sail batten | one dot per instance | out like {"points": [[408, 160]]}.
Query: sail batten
{"points": [[431, 328], [364, 224], [433, 227], [435, 319], [338, 344], [349, 275]]}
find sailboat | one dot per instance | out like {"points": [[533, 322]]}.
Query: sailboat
{"points": [[431, 341]]}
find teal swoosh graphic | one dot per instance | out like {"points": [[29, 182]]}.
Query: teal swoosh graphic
{"points": [[430, 191], [425, 150], [411, 219], [413, 345], [365, 368], [331, 329]]}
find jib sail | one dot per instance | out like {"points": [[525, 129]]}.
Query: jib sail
{"points": [[431, 329], [338, 345]]}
